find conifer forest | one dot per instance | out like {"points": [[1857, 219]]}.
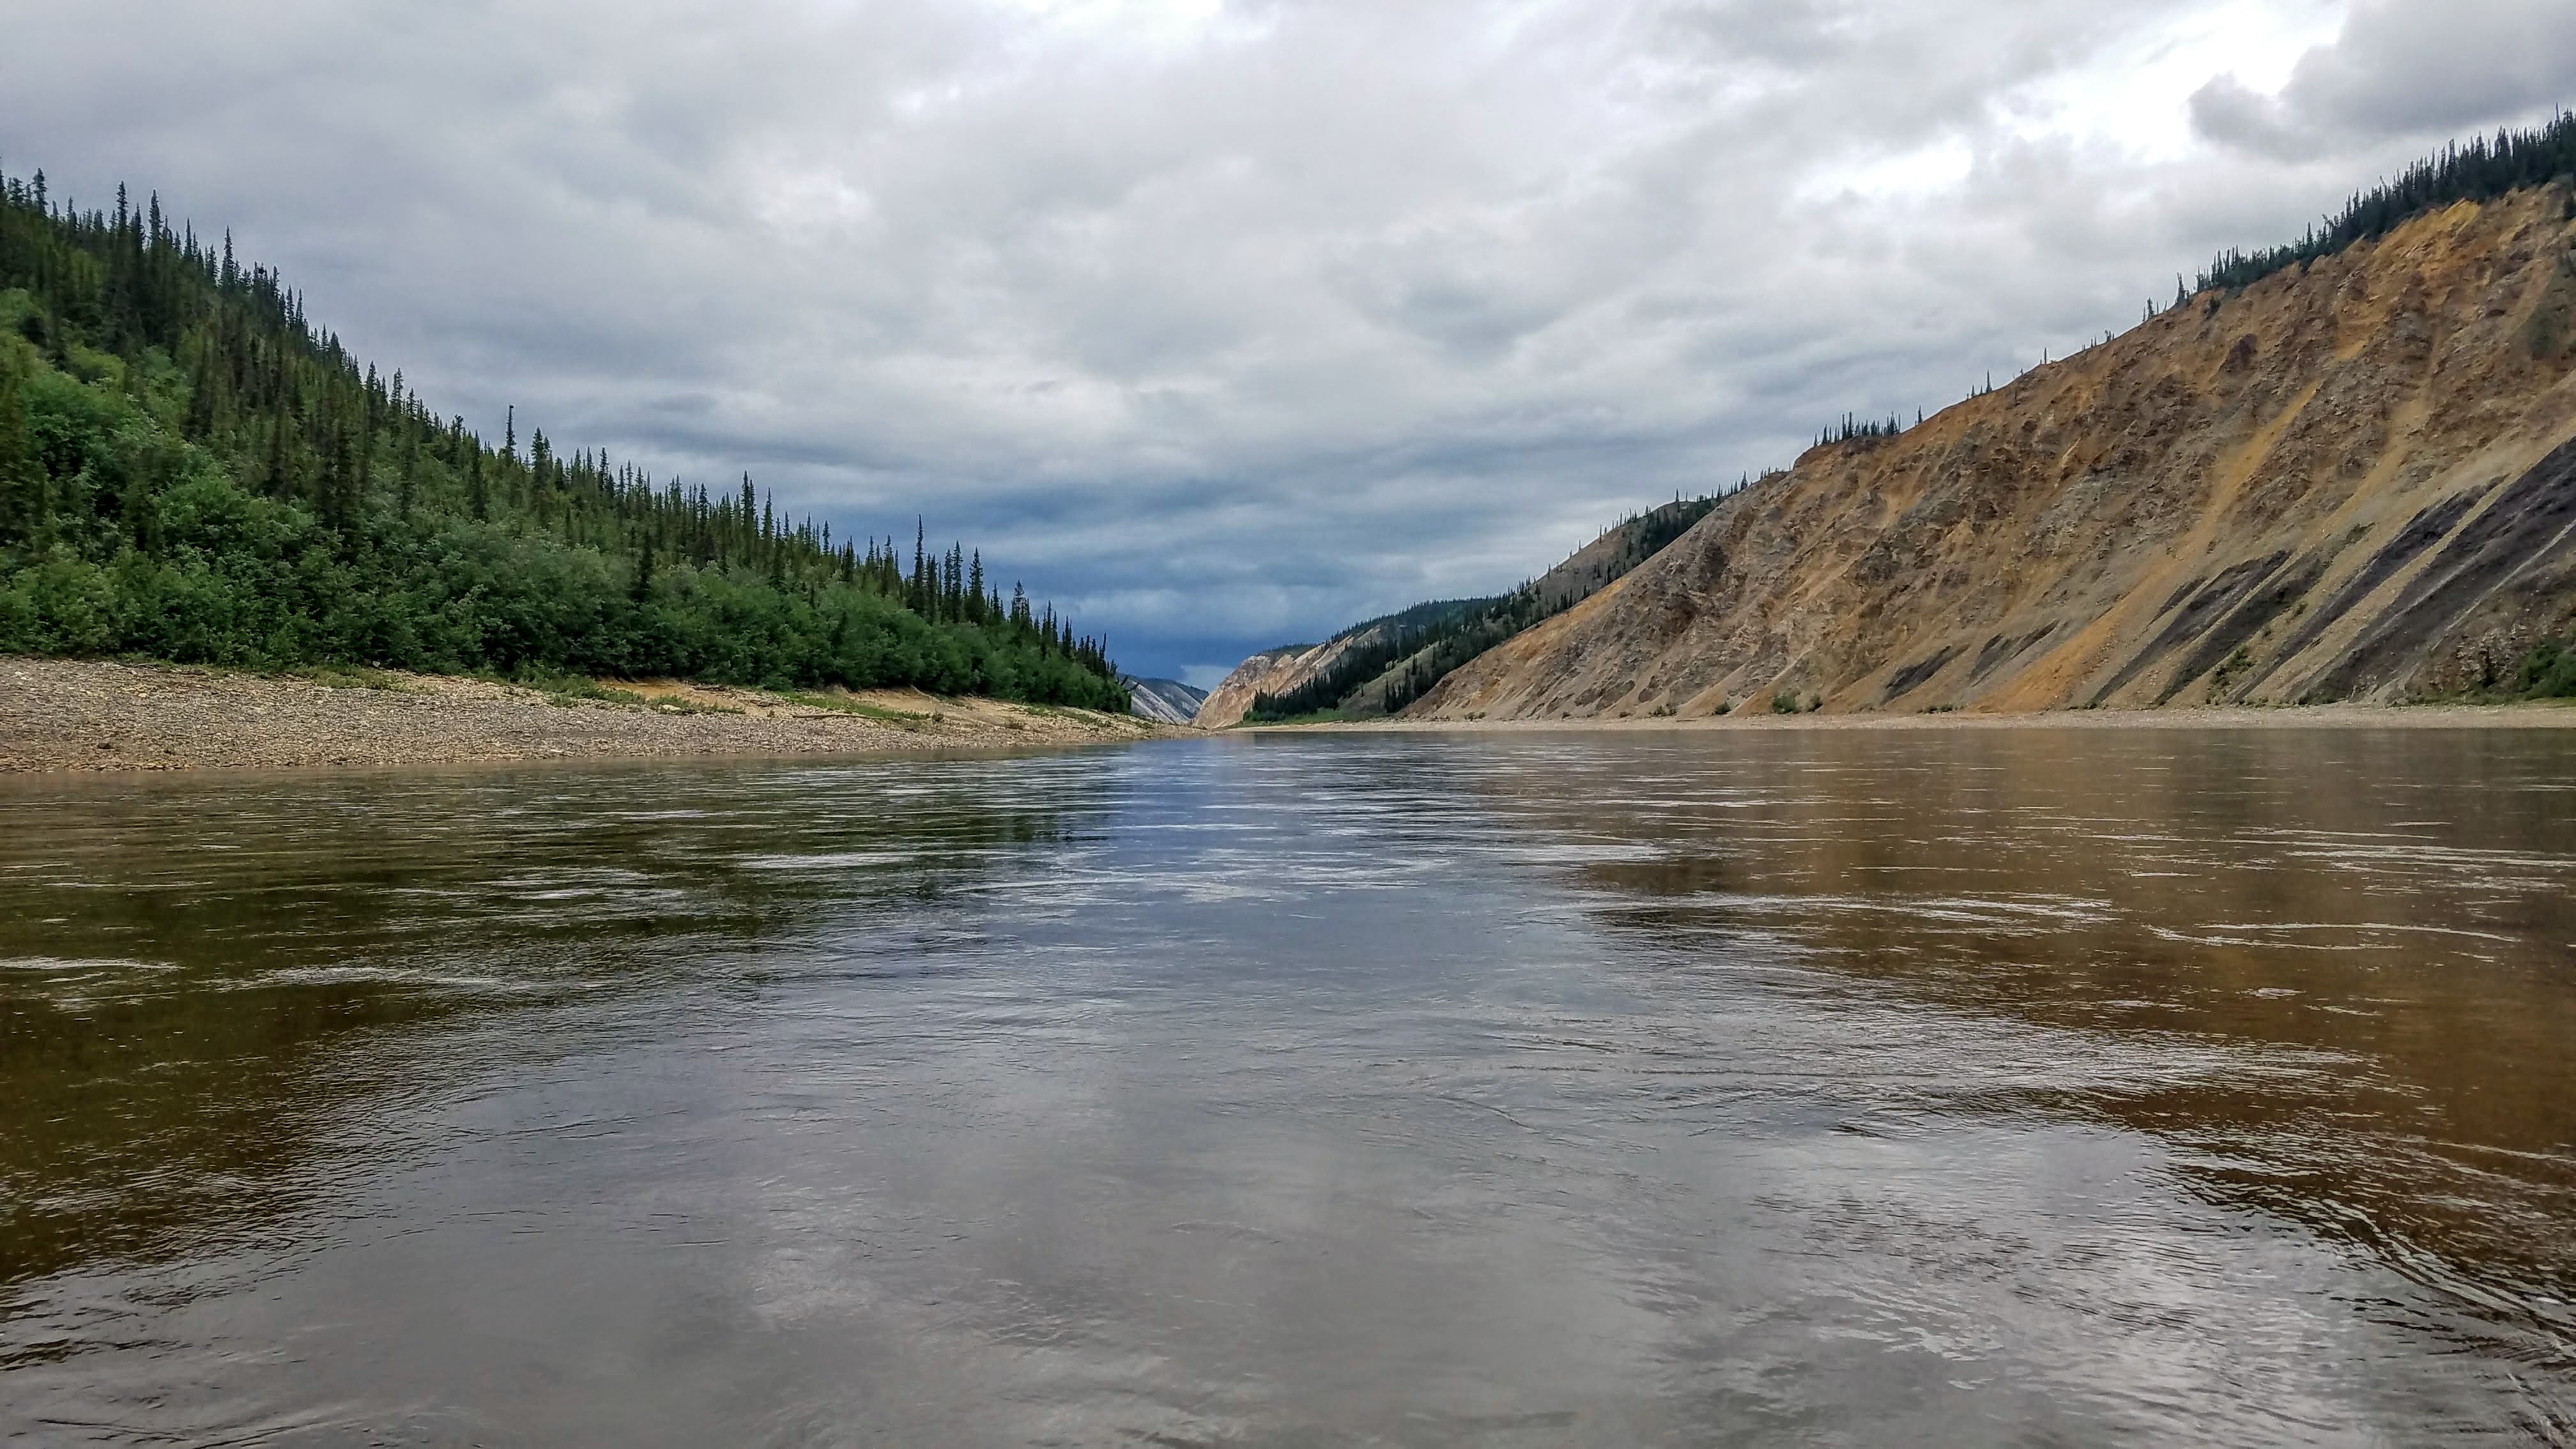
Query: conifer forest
{"points": [[193, 470]]}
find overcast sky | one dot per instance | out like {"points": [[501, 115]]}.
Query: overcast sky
{"points": [[1229, 322]]}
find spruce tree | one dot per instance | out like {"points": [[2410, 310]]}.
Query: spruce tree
{"points": [[21, 487]]}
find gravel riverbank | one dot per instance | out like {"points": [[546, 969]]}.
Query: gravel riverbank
{"points": [[71, 714]]}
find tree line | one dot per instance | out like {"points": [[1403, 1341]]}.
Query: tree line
{"points": [[1853, 428], [1384, 643], [1469, 635], [2480, 170], [191, 469]]}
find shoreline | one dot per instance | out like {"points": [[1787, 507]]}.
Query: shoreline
{"points": [[2529, 715], [93, 717], [81, 716]]}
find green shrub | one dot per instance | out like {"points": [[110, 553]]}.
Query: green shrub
{"points": [[2548, 672]]}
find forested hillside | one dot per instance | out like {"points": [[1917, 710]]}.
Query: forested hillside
{"points": [[190, 469], [1368, 650], [1384, 665]]}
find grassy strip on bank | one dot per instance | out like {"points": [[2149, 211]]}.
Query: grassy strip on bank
{"points": [[572, 689], [900, 719], [348, 676]]}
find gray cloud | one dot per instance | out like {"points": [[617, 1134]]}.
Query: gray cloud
{"points": [[2402, 68], [1228, 323]]}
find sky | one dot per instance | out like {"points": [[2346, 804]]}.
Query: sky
{"points": [[1227, 323]]}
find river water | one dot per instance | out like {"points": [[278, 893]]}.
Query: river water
{"points": [[1983, 1086]]}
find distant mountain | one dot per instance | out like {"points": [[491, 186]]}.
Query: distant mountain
{"points": [[1166, 700]]}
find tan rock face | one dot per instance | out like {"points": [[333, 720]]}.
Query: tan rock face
{"points": [[1274, 672], [1231, 700], [2355, 482]]}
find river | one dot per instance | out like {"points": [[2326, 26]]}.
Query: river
{"points": [[1876, 1088]]}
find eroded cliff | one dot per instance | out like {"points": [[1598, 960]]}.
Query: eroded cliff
{"points": [[2353, 480]]}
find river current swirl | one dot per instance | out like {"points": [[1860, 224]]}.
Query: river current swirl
{"points": [[1982, 1086]]}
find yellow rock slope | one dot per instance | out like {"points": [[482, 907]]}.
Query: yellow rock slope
{"points": [[2352, 481]]}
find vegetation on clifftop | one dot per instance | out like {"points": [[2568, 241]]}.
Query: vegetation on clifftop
{"points": [[190, 470], [2479, 170]]}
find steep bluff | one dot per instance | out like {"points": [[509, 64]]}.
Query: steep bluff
{"points": [[1275, 672], [2350, 480], [1427, 640]]}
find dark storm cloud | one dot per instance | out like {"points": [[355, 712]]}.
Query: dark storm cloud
{"points": [[1230, 323]]}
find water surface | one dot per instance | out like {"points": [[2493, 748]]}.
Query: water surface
{"points": [[2020, 1086]]}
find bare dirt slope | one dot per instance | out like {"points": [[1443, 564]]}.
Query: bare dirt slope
{"points": [[65, 714], [2350, 482]]}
